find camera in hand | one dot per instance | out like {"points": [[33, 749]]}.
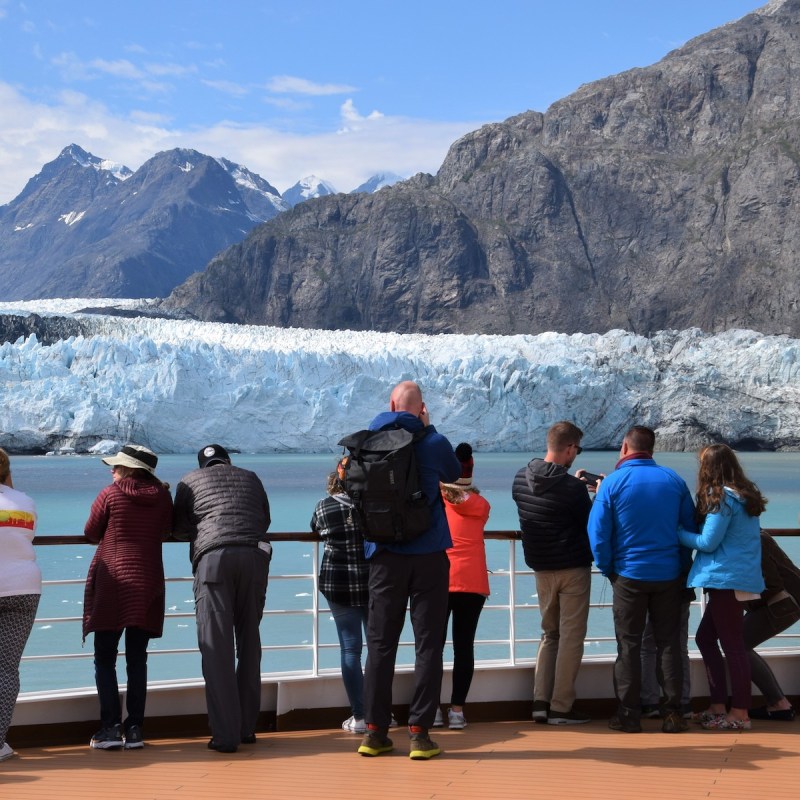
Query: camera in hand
{"points": [[591, 478]]}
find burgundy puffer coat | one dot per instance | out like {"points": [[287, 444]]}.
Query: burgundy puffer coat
{"points": [[125, 585]]}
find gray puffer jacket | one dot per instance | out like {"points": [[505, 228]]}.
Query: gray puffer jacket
{"points": [[220, 505]]}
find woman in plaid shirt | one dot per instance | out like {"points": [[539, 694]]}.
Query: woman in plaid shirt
{"points": [[343, 579]]}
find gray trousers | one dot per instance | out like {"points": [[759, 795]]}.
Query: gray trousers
{"points": [[651, 689], [230, 587]]}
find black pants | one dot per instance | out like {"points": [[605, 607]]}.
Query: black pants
{"points": [[106, 644], [395, 581], [465, 608], [633, 602]]}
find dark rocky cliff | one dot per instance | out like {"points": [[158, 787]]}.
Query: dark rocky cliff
{"points": [[659, 198]]}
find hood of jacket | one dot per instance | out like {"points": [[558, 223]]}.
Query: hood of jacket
{"points": [[543, 476], [145, 492]]}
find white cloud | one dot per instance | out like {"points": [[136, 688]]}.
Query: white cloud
{"points": [[227, 87], [121, 68], [31, 134], [174, 70], [288, 84]]}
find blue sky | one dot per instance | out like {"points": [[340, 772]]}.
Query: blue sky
{"points": [[340, 89]]}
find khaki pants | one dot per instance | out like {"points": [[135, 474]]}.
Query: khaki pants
{"points": [[564, 606]]}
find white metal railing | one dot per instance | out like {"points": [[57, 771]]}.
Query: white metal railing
{"points": [[511, 643]]}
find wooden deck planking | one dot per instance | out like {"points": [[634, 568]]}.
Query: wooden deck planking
{"points": [[504, 760]]}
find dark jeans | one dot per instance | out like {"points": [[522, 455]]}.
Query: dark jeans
{"points": [[465, 608], [349, 622], [106, 644], [394, 581], [723, 624], [633, 602], [762, 624]]}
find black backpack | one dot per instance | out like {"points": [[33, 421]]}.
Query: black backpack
{"points": [[381, 476]]}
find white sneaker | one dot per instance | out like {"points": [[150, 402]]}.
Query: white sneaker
{"points": [[455, 719], [438, 721], [354, 725], [6, 751]]}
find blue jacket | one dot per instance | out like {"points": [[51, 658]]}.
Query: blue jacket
{"points": [[728, 549], [633, 524], [436, 462]]}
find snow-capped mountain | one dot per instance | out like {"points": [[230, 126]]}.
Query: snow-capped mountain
{"points": [[307, 188], [376, 182], [85, 226], [171, 384]]}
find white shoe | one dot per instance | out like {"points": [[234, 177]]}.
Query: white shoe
{"points": [[455, 719], [354, 725], [438, 721], [6, 751]]}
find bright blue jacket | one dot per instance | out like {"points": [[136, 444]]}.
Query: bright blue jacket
{"points": [[728, 549], [633, 525], [436, 462]]}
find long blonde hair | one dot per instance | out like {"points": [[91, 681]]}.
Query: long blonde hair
{"points": [[457, 494]]}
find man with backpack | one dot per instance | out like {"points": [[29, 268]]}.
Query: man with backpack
{"points": [[415, 572]]}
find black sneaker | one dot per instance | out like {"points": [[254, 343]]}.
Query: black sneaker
{"points": [[674, 722], [781, 714], [651, 712], [133, 738], [625, 724], [374, 743], [107, 738], [571, 717], [213, 744], [540, 711]]}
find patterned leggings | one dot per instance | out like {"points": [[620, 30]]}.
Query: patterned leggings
{"points": [[17, 613]]}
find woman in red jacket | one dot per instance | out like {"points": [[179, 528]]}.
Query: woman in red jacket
{"points": [[125, 587], [467, 513]]}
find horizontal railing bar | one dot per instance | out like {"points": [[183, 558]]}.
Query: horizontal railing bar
{"points": [[57, 539]]}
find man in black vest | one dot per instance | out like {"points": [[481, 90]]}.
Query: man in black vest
{"points": [[224, 512], [553, 511]]}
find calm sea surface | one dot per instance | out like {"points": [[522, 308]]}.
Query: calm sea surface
{"points": [[65, 486]]}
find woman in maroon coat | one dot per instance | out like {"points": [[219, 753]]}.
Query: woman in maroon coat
{"points": [[125, 587]]}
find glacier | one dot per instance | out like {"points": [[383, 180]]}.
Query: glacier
{"points": [[175, 385]]}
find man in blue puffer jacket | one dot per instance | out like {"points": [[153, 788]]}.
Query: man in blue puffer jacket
{"points": [[633, 532], [415, 572]]}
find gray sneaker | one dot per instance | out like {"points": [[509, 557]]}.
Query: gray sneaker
{"points": [[133, 738], [571, 717], [374, 743], [421, 747]]}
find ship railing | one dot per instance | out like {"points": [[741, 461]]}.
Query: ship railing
{"points": [[506, 641]]}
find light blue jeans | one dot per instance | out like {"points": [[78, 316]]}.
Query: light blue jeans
{"points": [[350, 622]]}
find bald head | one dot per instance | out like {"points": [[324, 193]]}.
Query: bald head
{"points": [[406, 396]]}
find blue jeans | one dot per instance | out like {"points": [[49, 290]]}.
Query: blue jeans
{"points": [[350, 621]]}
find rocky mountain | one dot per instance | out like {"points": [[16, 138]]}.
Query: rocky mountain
{"points": [[659, 198], [306, 189], [84, 227]]}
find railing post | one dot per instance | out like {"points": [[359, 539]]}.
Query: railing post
{"points": [[512, 601]]}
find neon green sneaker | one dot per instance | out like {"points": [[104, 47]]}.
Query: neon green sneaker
{"points": [[374, 743], [422, 747]]}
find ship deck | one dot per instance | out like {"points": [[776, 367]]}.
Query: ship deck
{"points": [[488, 760]]}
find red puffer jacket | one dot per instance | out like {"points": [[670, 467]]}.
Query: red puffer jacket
{"points": [[125, 585]]}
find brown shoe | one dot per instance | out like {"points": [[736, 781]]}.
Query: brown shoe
{"points": [[674, 723]]}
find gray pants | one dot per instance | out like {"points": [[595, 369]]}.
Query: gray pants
{"points": [[651, 689], [230, 586], [761, 624]]}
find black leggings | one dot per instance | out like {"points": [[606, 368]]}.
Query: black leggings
{"points": [[466, 608]]}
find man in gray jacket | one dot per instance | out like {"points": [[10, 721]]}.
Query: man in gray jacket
{"points": [[223, 512]]}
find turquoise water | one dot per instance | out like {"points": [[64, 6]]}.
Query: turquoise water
{"points": [[65, 486]]}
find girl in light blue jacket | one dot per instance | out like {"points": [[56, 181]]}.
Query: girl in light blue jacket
{"points": [[727, 566]]}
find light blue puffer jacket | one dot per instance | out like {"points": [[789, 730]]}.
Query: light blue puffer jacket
{"points": [[728, 549]]}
